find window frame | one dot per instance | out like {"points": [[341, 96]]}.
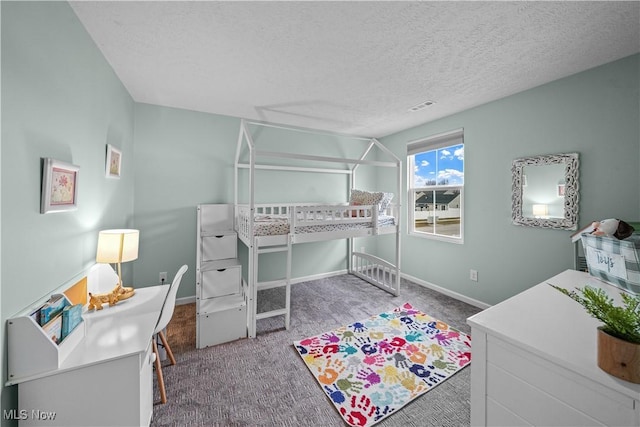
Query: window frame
{"points": [[423, 145]]}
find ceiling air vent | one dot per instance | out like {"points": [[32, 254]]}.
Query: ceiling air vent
{"points": [[420, 106]]}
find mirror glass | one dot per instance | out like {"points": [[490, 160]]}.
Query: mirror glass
{"points": [[545, 191]]}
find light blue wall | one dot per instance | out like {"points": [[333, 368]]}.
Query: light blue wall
{"points": [[183, 158], [60, 99], [595, 113]]}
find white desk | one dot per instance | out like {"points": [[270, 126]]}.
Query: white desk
{"points": [[107, 379], [534, 362]]}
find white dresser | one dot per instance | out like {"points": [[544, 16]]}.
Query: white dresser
{"points": [[221, 309], [534, 363]]}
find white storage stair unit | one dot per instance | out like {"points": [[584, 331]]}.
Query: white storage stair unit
{"points": [[275, 227], [221, 313], [535, 362]]}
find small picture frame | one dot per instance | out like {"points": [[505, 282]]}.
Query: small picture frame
{"points": [[561, 188], [113, 162], [59, 186]]}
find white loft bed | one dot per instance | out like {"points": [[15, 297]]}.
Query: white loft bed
{"points": [[275, 227]]}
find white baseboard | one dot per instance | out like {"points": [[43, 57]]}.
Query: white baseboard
{"points": [[452, 294], [186, 300], [192, 299], [317, 276], [447, 292]]}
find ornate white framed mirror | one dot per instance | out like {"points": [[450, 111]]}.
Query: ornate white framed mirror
{"points": [[545, 191]]}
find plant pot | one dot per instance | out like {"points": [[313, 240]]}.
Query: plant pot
{"points": [[618, 357]]}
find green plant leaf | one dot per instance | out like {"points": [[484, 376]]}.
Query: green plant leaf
{"points": [[619, 321]]}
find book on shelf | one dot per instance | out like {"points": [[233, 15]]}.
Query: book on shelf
{"points": [[36, 316], [52, 308], [53, 328], [58, 317], [71, 318]]}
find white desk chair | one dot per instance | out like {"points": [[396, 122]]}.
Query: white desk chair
{"points": [[165, 317]]}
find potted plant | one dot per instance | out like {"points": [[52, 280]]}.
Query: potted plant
{"points": [[619, 336]]}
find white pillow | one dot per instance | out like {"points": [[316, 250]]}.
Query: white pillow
{"points": [[360, 197], [385, 202]]}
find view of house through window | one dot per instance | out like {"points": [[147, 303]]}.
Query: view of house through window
{"points": [[436, 184]]}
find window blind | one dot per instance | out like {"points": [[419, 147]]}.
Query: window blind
{"points": [[434, 142]]}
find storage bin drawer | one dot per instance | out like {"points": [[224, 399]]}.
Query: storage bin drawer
{"points": [[614, 261], [219, 247], [221, 282], [222, 326], [216, 217]]}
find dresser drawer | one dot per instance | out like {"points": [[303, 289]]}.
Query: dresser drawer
{"points": [[219, 247], [543, 393], [221, 282]]}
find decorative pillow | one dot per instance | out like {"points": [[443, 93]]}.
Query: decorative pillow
{"points": [[385, 202], [360, 197]]}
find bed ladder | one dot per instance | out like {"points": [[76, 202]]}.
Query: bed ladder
{"points": [[285, 282]]}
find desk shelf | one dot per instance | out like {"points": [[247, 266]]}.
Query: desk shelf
{"points": [[31, 351]]}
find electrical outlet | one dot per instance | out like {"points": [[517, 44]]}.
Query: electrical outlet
{"points": [[473, 275], [163, 277]]}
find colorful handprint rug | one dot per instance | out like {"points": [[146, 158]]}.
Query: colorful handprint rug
{"points": [[371, 369]]}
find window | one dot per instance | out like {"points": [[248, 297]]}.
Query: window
{"points": [[436, 186]]}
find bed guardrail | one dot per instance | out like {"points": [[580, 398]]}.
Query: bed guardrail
{"points": [[243, 228], [243, 217], [307, 215], [376, 271], [332, 214]]}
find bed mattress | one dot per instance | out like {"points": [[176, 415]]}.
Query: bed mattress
{"points": [[274, 225]]}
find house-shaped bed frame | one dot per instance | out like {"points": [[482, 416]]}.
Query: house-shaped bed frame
{"points": [[311, 222]]}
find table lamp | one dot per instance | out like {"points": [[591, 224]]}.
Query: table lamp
{"points": [[117, 246], [540, 211]]}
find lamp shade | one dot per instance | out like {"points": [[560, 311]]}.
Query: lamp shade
{"points": [[115, 246]]}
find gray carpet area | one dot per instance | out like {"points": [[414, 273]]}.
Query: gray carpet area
{"points": [[264, 382]]}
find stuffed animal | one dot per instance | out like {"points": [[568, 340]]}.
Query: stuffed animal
{"points": [[612, 228], [96, 301], [122, 292], [118, 293]]}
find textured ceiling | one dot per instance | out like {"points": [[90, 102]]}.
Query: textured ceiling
{"points": [[351, 67]]}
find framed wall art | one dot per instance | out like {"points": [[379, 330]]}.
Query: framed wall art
{"points": [[59, 186], [113, 162]]}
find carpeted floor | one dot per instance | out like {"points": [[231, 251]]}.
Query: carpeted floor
{"points": [[263, 381]]}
